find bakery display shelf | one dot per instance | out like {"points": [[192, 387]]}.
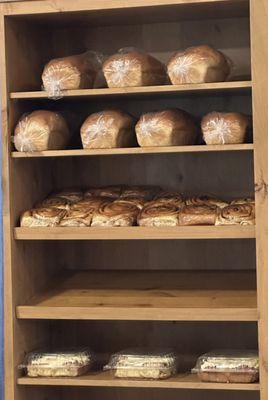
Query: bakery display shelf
{"points": [[134, 151], [136, 233], [218, 87], [151, 296], [105, 379]]}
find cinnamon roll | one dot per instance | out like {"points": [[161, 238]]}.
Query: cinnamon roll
{"points": [[244, 200], [138, 202], [236, 214], [170, 198], [77, 217], [198, 215], [38, 217], [71, 195], [206, 200], [142, 192], [112, 192], [115, 214], [158, 214], [55, 202], [90, 203]]}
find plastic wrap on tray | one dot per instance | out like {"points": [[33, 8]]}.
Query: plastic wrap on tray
{"points": [[60, 363], [230, 366], [143, 364]]}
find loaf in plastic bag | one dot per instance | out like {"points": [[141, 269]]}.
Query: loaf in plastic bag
{"points": [[229, 366], [225, 128], [59, 363], [74, 72], [198, 64], [172, 127], [108, 129], [143, 363], [132, 67], [41, 130]]}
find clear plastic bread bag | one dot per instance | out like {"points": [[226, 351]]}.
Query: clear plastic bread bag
{"points": [[81, 71], [127, 71], [143, 363], [72, 362], [228, 361]]}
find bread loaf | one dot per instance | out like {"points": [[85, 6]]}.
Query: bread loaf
{"points": [[73, 72], [198, 65], [115, 214], [133, 68], [158, 214], [108, 129], [225, 128], [172, 127], [236, 214], [42, 217], [198, 215], [41, 130]]}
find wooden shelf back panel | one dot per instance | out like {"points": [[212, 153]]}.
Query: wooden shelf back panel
{"points": [[105, 379]]}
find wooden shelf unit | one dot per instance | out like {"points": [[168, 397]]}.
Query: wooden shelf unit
{"points": [[194, 288]]}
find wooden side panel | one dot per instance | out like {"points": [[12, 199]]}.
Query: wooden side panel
{"points": [[259, 34]]}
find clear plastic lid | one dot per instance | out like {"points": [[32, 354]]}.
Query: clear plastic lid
{"points": [[143, 358], [73, 358], [228, 361]]}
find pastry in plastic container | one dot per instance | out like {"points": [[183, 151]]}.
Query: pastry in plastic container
{"points": [[58, 364], [142, 363], [198, 64], [133, 67], [230, 366], [225, 128]]}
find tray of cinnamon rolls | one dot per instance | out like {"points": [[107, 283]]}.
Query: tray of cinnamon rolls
{"points": [[145, 206]]}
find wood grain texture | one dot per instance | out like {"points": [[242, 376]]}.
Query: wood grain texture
{"points": [[136, 233], [230, 87], [134, 150], [259, 33], [176, 296], [181, 381]]}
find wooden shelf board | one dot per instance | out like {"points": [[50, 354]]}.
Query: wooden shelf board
{"points": [[169, 296], [136, 233], [145, 90], [134, 151], [105, 379]]}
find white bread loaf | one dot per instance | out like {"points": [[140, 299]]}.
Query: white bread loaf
{"points": [[41, 130], [225, 128], [133, 68], [73, 72], [198, 65], [172, 127], [108, 129]]}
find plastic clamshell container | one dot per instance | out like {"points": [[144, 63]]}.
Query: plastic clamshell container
{"points": [[58, 364], [230, 366], [141, 363]]}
